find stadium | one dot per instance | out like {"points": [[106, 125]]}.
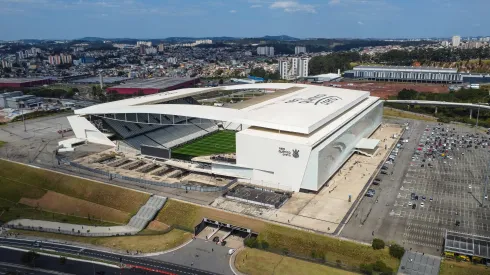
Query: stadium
{"points": [[292, 137]]}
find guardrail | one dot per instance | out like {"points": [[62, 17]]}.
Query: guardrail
{"points": [[185, 186]]}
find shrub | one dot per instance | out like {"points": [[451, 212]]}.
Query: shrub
{"points": [[378, 244], [251, 242], [397, 251], [264, 245], [366, 269]]}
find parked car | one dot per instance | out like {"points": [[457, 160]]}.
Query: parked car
{"points": [[412, 196]]}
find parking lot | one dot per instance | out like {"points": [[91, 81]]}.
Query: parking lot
{"points": [[442, 177]]}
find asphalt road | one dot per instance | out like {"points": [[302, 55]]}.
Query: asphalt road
{"points": [[141, 263]]}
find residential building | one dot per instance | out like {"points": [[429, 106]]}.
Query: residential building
{"points": [[267, 51], [293, 67], [66, 58], [299, 49], [161, 47], [150, 50], [146, 43], [6, 64], [445, 43], [54, 59], [456, 40]]}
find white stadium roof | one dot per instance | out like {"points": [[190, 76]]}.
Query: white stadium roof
{"points": [[302, 111]]}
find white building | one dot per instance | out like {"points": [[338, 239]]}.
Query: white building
{"points": [[150, 50], [161, 47], [267, 51], [172, 60], [445, 43], [456, 40], [146, 43], [294, 141], [299, 49], [293, 67]]}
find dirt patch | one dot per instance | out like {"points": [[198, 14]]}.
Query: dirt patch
{"points": [[385, 89], [157, 226], [59, 203]]}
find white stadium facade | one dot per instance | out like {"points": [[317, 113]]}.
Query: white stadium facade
{"points": [[293, 138]]}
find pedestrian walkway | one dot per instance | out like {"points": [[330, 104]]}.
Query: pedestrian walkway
{"points": [[137, 223]]}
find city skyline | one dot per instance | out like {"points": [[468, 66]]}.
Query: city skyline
{"points": [[152, 19]]}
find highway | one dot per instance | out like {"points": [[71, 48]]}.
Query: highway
{"points": [[149, 266]]}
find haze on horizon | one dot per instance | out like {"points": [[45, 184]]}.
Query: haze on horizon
{"points": [[71, 19]]}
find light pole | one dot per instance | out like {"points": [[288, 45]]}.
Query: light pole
{"points": [[485, 186]]}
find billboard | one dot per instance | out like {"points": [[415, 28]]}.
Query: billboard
{"points": [[157, 152]]}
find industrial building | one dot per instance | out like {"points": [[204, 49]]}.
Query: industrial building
{"points": [[24, 82], [294, 138], [17, 100], [415, 74], [153, 85]]}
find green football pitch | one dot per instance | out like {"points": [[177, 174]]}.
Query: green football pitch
{"points": [[220, 142]]}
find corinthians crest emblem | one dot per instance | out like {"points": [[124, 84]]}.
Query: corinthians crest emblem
{"points": [[295, 153]]}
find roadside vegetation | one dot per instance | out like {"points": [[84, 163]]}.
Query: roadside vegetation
{"points": [[389, 112], [449, 267], [257, 262]]}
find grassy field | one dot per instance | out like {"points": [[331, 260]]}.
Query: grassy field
{"points": [[189, 215], [217, 143], [2, 143], [394, 113], [144, 243], [62, 194], [278, 237], [462, 268], [304, 243], [257, 262]]}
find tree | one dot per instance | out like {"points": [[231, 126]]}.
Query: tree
{"points": [[397, 251], [406, 94], [62, 260], [29, 258], [378, 244]]}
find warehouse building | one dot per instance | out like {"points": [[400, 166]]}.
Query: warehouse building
{"points": [[415, 74], [23, 82]]}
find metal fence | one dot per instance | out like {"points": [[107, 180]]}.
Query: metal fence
{"points": [[185, 186]]}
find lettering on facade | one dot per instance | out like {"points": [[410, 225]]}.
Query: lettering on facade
{"points": [[321, 99], [289, 153]]}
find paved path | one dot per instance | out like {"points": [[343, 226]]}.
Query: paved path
{"points": [[137, 223]]}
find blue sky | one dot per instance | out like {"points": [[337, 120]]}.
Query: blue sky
{"points": [[56, 19]]}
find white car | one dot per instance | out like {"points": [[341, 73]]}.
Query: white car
{"points": [[421, 204], [469, 186], [410, 203]]}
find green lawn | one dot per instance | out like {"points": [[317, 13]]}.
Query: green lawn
{"points": [[217, 143]]}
